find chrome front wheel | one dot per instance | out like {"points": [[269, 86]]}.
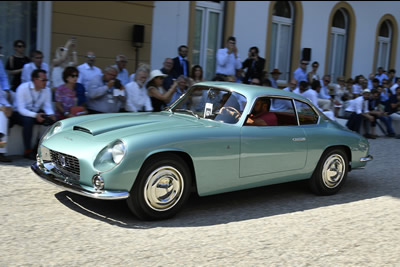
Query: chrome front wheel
{"points": [[161, 188], [164, 188]]}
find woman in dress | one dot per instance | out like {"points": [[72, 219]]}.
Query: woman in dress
{"points": [[70, 97], [16, 62], [196, 75]]}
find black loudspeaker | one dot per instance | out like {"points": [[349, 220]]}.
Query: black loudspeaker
{"points": [[306, 54], [138, 34]]}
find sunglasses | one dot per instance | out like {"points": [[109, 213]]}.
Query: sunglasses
{"points": [[304, 64], [327, 81], [91, 56], [38, 57], [74, 75], [19, 46], [43, 80]]}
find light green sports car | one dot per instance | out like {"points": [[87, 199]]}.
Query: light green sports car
{"points": [[206, 142]]}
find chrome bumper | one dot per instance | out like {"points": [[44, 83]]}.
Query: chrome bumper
{"points": [[366, 159], [48, 176]]}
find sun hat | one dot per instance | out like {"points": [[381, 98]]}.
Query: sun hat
{"points": [[156, 73], [366, 91], [276, 71]]}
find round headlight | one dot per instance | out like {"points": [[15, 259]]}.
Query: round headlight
{"points": [[118, 152], [57, 128]]}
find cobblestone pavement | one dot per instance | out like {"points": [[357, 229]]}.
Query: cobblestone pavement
{"points": [[282, 225]]}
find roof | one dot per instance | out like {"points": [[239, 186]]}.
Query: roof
{"points": [[251, 91]]}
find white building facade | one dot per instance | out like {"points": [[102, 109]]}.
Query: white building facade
{"points": [[346, 37]]}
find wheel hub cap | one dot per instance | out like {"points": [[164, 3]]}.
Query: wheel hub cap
{"points": [[333, 171], [164, 188]]}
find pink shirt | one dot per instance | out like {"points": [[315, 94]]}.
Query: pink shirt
{"points": [[269, 118]]}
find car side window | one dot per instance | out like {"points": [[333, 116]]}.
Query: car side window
{"points": [[284, 111], [306, 113]]}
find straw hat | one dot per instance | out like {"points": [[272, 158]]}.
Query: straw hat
{"points": [[276, 71], [156, 73]]}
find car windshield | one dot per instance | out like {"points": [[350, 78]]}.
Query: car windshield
{"points": [[211, 103]]}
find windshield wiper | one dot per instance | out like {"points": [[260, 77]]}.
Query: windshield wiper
{"points": [[189, 111]]}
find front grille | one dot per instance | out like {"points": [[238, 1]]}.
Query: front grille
{"points": [[68, 165]]}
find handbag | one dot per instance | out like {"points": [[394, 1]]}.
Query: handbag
{"points": [[76, 110]]}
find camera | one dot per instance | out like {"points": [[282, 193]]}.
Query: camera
{"points": [[47, 120], [117, 84]]}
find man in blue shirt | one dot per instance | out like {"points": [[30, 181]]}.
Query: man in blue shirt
{"points": [[300, 74]]}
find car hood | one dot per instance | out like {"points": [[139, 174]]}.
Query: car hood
{"points": [[119, 125]]}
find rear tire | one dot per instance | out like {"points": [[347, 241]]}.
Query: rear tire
{"points": [[161, 188], [330, 173]]}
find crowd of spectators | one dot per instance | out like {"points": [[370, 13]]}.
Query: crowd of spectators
{"points": [[42, 94]]}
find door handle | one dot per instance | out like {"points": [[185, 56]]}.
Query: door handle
{"points": [[299, 139]]}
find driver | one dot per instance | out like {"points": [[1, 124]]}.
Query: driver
{"points": [[260, 115]]}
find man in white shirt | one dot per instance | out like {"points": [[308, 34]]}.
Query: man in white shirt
{"points": [[33, 105], [358, 112], [137, 97], [281, 104], [37, 63], [120, 65], [312, 94], [88, 71], [228, 59]]}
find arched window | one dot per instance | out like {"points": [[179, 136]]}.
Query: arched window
{"points": [[384, 45], [281, 38], [338, 44]]}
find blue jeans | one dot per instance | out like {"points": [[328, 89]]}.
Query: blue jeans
{"points": [[27, 123]]}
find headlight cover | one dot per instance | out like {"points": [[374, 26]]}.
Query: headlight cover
{"points": [[110, 156], [56, 128]]}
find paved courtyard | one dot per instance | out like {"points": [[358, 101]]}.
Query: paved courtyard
{"points": [[281, 225]]}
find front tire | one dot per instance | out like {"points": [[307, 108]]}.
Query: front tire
{"points": [[161, 188], [330, 173]]}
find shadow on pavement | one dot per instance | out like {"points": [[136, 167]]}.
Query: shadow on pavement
{"points": [[237, 206]]}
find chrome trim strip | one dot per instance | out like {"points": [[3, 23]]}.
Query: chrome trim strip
{"points": [[86, 191], [367, 158]]}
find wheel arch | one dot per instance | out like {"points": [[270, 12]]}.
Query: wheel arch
{"points": [[181, 154], [345, 148]]}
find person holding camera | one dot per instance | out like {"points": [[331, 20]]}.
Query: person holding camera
{"points": [[105, 93], [64, 56], [254, 65], [228, 59], [33, 105]]}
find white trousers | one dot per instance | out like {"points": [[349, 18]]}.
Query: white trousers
{"points": [[3, 130]]}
